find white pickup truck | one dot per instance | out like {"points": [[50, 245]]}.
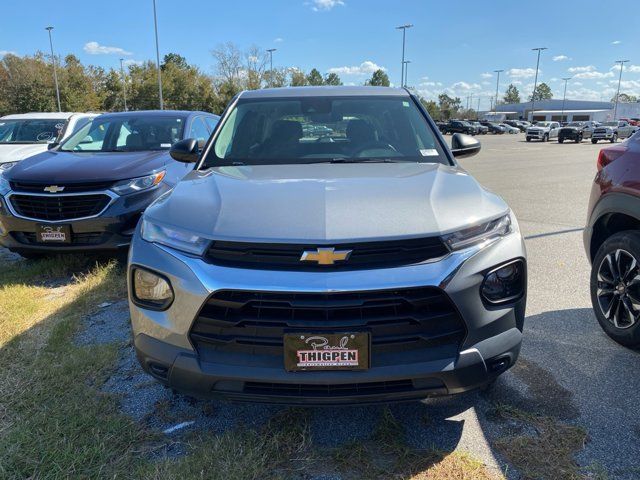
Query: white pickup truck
{"points": [[612, 131], [543, 131]]}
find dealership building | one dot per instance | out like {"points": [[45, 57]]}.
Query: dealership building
{"points": [[574, 110]]}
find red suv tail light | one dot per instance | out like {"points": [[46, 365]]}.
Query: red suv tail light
{"points": [[608, 155]]}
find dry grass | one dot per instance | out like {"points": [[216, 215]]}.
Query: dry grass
{"points": [[546, 454]]}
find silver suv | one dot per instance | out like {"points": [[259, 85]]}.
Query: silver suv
{"points": [[327, 248]]}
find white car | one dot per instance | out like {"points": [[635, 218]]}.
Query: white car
{"points": [[26, 134], [543, 131], [509, 128], [612, 131]]}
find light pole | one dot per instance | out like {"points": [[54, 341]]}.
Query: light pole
{"points": [[155, 23], [55, 73], [535, 82], [497, 83], [404, 33], [478, 109], [406, 71], [124, 84], [564, 96], [615, 110], [470, 102], [271, 50]]}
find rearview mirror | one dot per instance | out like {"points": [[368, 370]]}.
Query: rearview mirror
{"points": [[464, 145], [185, 151]]}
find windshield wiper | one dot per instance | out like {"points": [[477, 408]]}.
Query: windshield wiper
{"points": [[365, 160]]}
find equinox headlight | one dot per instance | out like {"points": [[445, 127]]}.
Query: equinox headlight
{"points": [[6, 166], [478, 233], [133, 185], [180, 240]]}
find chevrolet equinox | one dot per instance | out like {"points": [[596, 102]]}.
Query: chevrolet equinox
{"points": [[327, 249]]}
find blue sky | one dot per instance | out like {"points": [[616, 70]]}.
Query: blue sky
{"points": [[453, 47]]}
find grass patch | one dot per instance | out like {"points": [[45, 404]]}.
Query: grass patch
{"points": [[546, 454]]}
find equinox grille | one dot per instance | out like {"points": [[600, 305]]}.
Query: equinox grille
{"points": [[68, 187], [58, 207], [253, 323], [380, 254]]}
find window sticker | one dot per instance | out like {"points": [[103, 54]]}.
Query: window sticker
{"points": [[405, 104], [165, 145], [429, 152]]}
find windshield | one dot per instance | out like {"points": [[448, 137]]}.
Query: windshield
{"points": [[610, 124], [575, 124], [543, 124], [126, 133], [30, 130], [325, 129]]}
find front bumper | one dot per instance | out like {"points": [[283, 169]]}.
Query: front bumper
{"points": [[536, 135], [491, 345], [112, 229], [602, 136]]}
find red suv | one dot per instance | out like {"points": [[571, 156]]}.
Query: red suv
{"points": [[612, 241]]}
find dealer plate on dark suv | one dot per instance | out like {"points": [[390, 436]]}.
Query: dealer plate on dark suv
{"points": [[333, 351]]}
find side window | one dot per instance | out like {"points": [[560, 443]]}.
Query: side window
{"points": [[211, 122], [199, 131]]}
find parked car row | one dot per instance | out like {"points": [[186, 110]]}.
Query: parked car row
{"points": [[475, 127]]}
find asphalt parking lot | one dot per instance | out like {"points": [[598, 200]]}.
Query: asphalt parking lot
{"points": [[573, 394]]}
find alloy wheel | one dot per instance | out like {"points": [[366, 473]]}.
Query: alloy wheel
{"points": [[618, 289]]}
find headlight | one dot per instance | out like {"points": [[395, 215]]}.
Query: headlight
{"points": [[478, 234], [151, 290], [4, 185], [180, 240], [138, 184], [6, 166]]}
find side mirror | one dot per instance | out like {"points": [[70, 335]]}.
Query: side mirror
{"points": [[185, 151], [464, 145], [52, 145]]}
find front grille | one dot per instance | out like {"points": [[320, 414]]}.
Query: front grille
{"points": [[600, 130], [57, 208], [342, 390], [253, 323], [379, 254], [77, 239], [68, 187]]}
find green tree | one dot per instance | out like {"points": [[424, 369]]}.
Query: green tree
{"points": [[432, 108], [512, 95], [315, 78], [378, 79], [298, 78], [26, 84], [625, 98], [332, 79], [542, 92], [448, 106]]}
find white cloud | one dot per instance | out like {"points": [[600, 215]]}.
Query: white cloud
{"points": [[464, 86], [588, 68], [593, 74], [278, 40], [484, 82], [128, 63], [521, 72], [633, 68], [94, 48], [616, 42], [517, 82], [577, 84], [7, 52], [486, 75], [365, 68], [560, 58], [324, 5]]}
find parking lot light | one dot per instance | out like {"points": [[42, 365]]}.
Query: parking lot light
{"points": [[271, 50], [155, 23], [404, 33], [55, 73], [564, 96], [497, 83], [535, 82], [124, 84], [615, 110]]}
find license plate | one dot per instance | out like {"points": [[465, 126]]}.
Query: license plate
{"points": [[327, 351], [53, 233]]}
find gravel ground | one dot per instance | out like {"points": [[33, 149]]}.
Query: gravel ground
{"points": [[568, 370]]}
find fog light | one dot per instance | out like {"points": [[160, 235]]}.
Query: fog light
{"points": [[151, 290], [505, 283]]}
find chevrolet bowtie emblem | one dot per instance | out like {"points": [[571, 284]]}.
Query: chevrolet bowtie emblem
{"points": [[53, 189], [325, 256]]}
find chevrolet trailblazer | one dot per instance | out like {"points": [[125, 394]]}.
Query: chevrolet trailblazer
{"points": [[360, 265]]}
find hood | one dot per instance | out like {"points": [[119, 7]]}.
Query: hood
{"points": [[326, 202], [20, 151], [60, 167]]}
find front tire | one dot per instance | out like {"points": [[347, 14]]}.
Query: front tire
{"points": [[594, 140], [614, 138], [528, 139], [579, 139], [615, 287], [545, 138]]}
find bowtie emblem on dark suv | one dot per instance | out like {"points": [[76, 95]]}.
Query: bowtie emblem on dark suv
{"points": [[53, 189], [325, 256]]}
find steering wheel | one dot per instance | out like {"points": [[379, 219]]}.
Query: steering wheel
{"points": [[374, 145]]}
